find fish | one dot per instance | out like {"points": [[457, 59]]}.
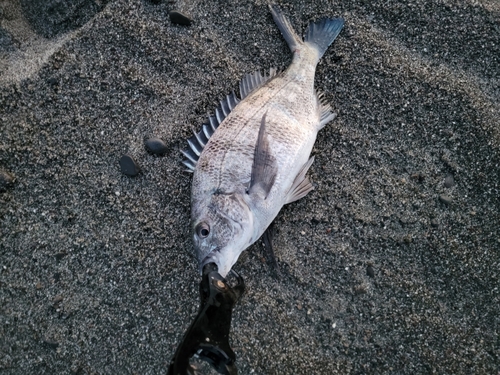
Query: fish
{"points": [[252, 156]]}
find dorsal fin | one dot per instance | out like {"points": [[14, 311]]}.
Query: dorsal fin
{"points": [[200, 139], [249, 83], [253, 81]]}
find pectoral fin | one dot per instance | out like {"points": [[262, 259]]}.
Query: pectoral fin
{"points": [[264, 167], [301, 185]]}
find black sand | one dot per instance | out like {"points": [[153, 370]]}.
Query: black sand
{"points": [[384, 268]]}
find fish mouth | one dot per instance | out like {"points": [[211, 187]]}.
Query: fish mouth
{"points": [[223, 260], [212, 257]]}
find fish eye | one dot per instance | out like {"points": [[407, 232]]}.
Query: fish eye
{"points": [[202, 230]]}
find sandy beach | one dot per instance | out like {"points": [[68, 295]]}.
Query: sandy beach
{"points": [[390, 266]]}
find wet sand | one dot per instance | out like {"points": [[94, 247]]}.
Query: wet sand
{"points": [[390, 266]]}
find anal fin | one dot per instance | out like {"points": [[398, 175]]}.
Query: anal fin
{"points": [[326, 114], [301, 185]]}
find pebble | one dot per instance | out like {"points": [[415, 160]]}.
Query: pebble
{"points": [[128, 166], [434, 223], [179, 19], [57, 299], [360, 289], [449, 181], [156, 146], [51, 344], [370, 272], [446, 199], [419, 176], [60, 255], [6, 180]]}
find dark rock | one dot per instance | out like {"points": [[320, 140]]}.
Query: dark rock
{"points": [[446, 199], [434, 223], [156, 146], [419, 177], [50, 344], [370, 272], [180, 19], [360, 289], [60, 255], [57, 299], [6, 180], [6, 40], [128, 166], [449, 181]]}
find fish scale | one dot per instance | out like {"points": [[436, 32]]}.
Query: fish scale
{"points": [[253, 155]]}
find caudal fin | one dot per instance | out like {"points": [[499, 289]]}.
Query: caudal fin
{"points": [[294, 41], [322, 33], [319, 34]]}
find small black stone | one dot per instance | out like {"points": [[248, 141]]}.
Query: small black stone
{"points": [[337, 58], [446, 199], [60, 255], [6, 40], [434, 223], [129, 166], [156, 146], [449, 181], [6, 180], [51, 344], [52, 81], [370, 272], [179, 19], [419, 177]]}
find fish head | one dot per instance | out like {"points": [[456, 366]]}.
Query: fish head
{"points": [[222, 227]]}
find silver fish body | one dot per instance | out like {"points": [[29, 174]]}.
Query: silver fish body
{"points": [[257, 158]]}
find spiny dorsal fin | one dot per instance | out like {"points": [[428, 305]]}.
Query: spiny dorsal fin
{"points": [[198, 141], [249, 83], [264, 168], [253, 81], [301, 185]]}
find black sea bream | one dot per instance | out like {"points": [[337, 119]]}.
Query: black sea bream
{"points": [[253, 155]]}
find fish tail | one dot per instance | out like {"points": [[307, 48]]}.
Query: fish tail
{"points": [[294, 41], [322, 33], [319, 34]]}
